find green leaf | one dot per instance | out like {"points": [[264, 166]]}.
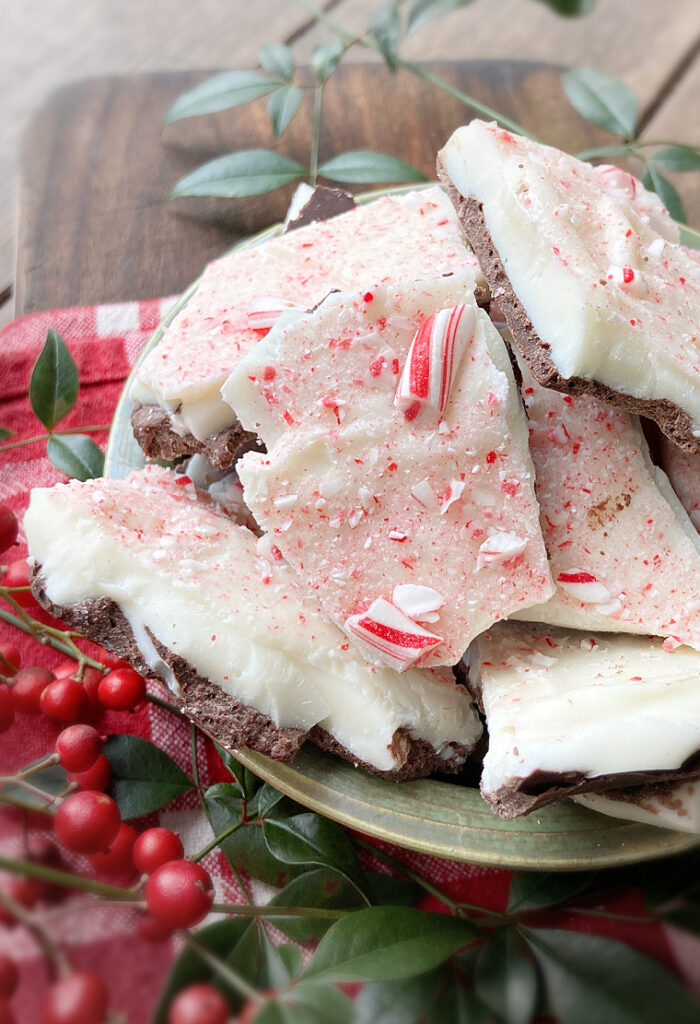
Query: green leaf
{"points": [[76, 454], [397, 1002], [5, 433], [292, 958], [666, 192], [282, 105], [385, 29], [310, 839], [223, 91], [398, 892], [590, 978], [144, 778], [506, 978], [322, 889], [189, 968], [250, 172], [278, 59], [422, 11], [458, 1006], [307, 1003], [605, 101], [247, 781], [570, 8], [326, 57], [532, 890], [678, 158], [363, 165], [267, 798], [247, 851], [388, 943], [54, 384]]}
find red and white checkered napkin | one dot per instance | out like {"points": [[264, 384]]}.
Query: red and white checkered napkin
{"points": [[105, 341]]}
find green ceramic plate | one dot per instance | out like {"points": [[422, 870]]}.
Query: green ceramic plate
{"points": [[440, 818]]}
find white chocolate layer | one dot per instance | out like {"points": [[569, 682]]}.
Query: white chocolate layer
{"points": [[182, 570], [395, 237], [605, 510], [362, 500], [563, 702], [599, 270], [676, 807]]}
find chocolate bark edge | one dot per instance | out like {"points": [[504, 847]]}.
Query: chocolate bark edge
{"points": [[324, 203], [224, 718], [157, 438], [671, 419]]}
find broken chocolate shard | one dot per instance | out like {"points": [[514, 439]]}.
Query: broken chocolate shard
{"points": [[323, 204], [158, 439]]}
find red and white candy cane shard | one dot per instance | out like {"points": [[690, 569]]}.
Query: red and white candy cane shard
{"points": [[614, 179], [265, 312], [434, 357], [391, 637], [583, 586]]}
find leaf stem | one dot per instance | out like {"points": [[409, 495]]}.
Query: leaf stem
{"points": [[316, 133], [28, 787], [58, 963], [160, 702], [216, 840], [39, 766], [67, 880], [406, 872], [44, 437], [223, 970], [195, 769], [320, 15]]}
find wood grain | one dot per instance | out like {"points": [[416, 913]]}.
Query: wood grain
{"points": [[95, 222]]}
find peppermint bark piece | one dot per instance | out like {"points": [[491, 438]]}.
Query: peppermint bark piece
{"points": [[683, 470], [665, 805], [177, 390], [586, 266], [568, 712], [623, 554], [397, 480], [164, 579]]}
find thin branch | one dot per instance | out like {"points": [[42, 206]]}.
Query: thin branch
{"points": [[100, 428], [67, 880], [215, 841], [223, 970], [58, 964]]}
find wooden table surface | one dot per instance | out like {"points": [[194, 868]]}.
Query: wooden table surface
{"points": [[96, 166]]}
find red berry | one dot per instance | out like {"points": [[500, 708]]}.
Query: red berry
{"points": [[17, 575], [96, 777], [78, 746], [91, 677], [156, 846], [110, 659], [9, 528], [65, 669], [198, 1004], [7, 709], [179, 894], [9, 976], [6, 1014], [27, 688], [79, 998], [87, 822], [151, 930], [117, 860], [10, 659], [121, 690], [64, 699], [25, 891]]}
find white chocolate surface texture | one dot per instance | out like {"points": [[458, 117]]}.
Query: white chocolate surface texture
{"points": [[362, 500], [559, 702], [623, 554], [215, 595], [594, 259], [392, 238]]}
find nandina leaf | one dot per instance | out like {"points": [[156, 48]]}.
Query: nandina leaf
{"points": [[667, 193], [326, 57], [77, 455], [532, 890], [322, 889], [570, 8], [385, 29], [54, 384], [506, 978], [364, 165], [458, 1005], [52, 780], [5, 433], [278, 59], [249, 172], [307, 1003], [310, 839], [144, 778], [282, 106], [422, 11], [246, 780], [398, 1002], [605, 101], [387, 943], [223, 91], [678, 158], [588, 977]]}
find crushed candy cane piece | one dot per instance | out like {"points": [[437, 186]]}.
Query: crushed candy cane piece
{"points": [[452, 494], [393, 638], [425, 495], [415, 600], [499, 547], [433, 359], [611, 607], [583, 586]]}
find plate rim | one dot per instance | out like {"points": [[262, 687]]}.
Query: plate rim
{"points": [[638, 842]]}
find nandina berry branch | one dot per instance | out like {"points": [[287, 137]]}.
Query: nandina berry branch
{"points": [[67, 880], [216, 840], [60, 639], [58, 964], [223, 970], [99, 428]]}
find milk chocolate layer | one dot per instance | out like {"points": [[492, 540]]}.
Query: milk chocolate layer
{"points": [[672, 420], [228, 721], [156, 436]]}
